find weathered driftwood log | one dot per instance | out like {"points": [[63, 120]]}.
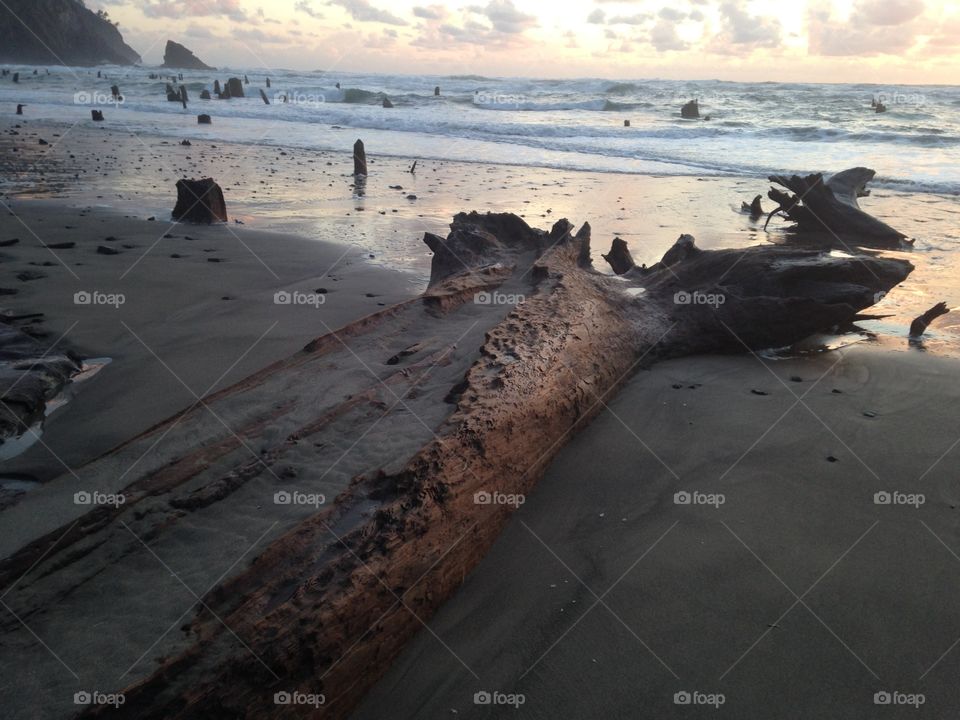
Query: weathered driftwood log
{"points": [[327, 606], [919, 326], [359, 158], [200, 201], [619, 257], [831, 206]]}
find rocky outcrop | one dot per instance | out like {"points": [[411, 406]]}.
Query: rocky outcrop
{"points": [[60, 32], [177, 56]]}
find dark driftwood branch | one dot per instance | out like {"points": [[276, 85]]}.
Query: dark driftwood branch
{"points": [[919, 326], [830, 206]]}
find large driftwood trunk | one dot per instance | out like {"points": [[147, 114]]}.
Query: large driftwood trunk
{"points": [[327, 606], [831, 206]]}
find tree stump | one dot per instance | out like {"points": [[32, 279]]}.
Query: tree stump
{"points": [[359, 158], [200, 201], [235, 88]]}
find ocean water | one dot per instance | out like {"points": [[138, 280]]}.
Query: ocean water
{"points": [[754, 128]]}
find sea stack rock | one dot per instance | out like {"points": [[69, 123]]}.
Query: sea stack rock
{"points": [[690, 111], [235, 87], [177, 56], [200, 201]]}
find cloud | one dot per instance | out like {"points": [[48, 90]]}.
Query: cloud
{"points": [[885, 27], [671, 14], [663, 37], [430, 12], [596, 17], [638, 19], [304, 6], [506, 18], [889, 12], [741, 33], [363, 11], [195, 8]]}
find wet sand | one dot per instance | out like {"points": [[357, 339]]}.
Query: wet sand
{"points": [[796, 597], [198, 313]]}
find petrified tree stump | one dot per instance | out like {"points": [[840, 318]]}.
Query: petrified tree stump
{"points": [[200, 201], [619, 257], [235, 87], [359, 158]]}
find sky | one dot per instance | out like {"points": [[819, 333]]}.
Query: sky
{"points": [[870, 41]]}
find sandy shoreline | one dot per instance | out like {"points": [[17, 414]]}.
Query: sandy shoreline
{"points": [[689, 592]]}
